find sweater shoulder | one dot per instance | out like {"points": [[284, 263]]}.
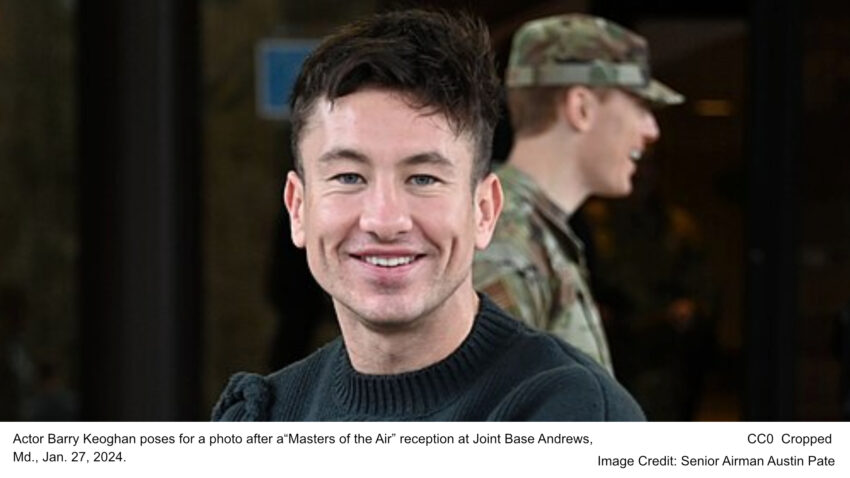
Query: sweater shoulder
{"points": [[253, 397], [566, 384], [569, 393]]}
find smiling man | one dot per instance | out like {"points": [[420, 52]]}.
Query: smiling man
{"points": [[393, 119], [579, 95]]}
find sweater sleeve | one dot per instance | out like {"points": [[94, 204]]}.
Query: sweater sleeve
{"points": [[246, 398], [569, 393]]}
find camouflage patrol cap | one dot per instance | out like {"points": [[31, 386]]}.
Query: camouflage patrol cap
{"points": [[581, 49]]}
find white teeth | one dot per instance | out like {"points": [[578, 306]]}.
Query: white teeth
{"points": [[635, 154], [388, 261]]}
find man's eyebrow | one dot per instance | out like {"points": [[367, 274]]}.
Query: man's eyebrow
{"points": [[343, 153], [431, 157]]}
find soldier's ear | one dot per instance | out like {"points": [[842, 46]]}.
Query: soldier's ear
{"points": [[488, 207], [293, 198], [578, 107]]}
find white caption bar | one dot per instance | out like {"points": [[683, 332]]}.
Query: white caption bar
{"points": [[421, 449]]}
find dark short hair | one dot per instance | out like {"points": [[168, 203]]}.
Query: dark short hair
{"points": [[442, 61]]}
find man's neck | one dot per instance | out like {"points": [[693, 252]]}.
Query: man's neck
{"points": [[551, 161], [424, 342]]}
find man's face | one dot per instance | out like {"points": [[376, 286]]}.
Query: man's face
{"points": [[385, 208], [622, 129]]}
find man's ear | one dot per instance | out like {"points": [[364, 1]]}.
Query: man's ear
{"points": [[488, 207], [578, 106], [293, 198]]}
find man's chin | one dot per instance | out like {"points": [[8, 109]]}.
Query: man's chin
{"points": [[391, 314], [390, 325], [615, 193], [623, 189]]}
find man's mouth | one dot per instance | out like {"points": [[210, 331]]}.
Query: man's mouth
{"points": [[635, 154], [388, 261]]}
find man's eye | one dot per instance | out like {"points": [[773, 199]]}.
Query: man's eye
{"points": [[348, 178], [423, 180]]}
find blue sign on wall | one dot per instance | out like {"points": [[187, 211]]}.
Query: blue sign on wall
{"points": [[278, 62]]}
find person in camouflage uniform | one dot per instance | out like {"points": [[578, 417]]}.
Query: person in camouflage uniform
{"points": [[579, 92]]}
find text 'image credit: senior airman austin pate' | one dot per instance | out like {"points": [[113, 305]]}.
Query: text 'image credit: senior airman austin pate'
{"points": [[760, 450]]}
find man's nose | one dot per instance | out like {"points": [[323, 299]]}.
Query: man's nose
{"points": [[385, 213], [651, 131]]}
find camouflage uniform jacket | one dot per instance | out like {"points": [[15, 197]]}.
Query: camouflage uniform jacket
{"points": [[535, 268]]}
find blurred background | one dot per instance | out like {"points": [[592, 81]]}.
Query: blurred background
{"points": [[144, 256]]}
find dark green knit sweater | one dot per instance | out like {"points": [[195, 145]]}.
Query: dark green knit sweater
{"points": [[504, 370]]}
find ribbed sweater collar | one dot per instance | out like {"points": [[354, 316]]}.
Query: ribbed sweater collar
{"points": [[422, 392]]}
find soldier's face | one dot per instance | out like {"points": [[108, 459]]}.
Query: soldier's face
{"points": [[622, 129], [385, 208]]}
